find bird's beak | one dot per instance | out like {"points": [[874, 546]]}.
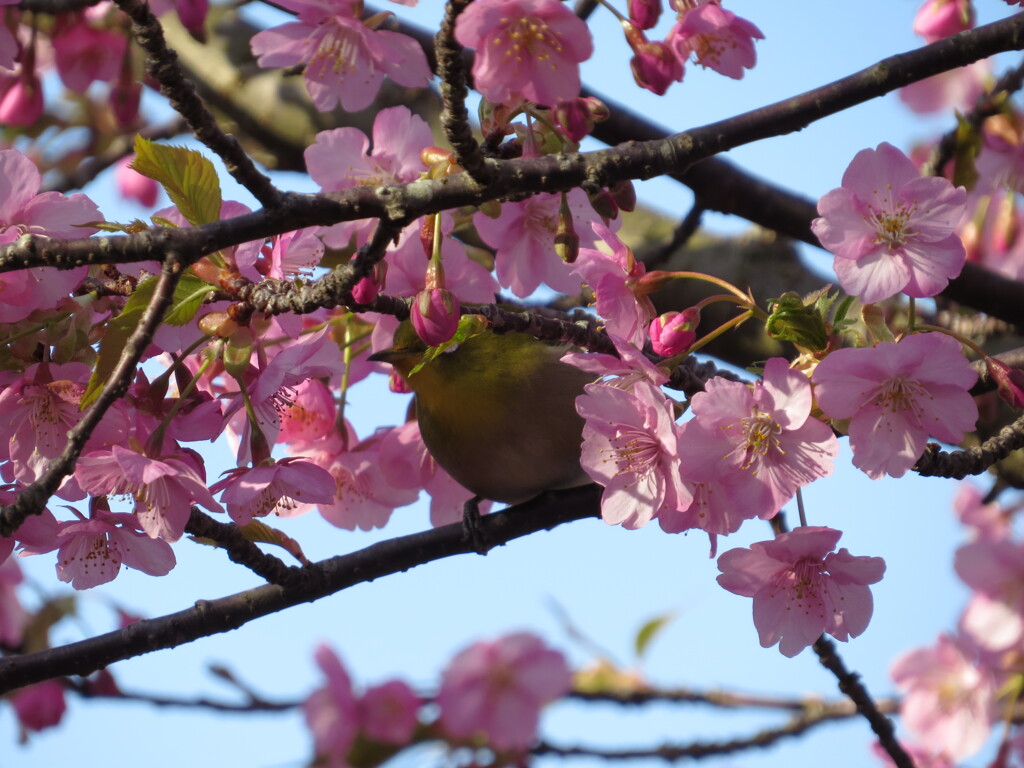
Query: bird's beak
{"points": [[385, 356]]}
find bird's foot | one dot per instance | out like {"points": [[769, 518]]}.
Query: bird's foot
{"points": [[472, 528]]}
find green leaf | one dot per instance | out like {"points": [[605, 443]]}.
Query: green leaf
{"points": [[189, 178], [469, 326], [116, 336], [650, 630], [188, 298]]}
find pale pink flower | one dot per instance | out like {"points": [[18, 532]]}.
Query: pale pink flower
{"points": [[770, 431], [310, 415], [23, 210], [896, 395], [994, 569], [801, 588], [936, 19], [389, 712], [716, 39], [890, 229], [331, 711], [39, 706], [615, 278], [91, 552], [164, 489], [495, 690], [524, 239], [631, 447], [346, 58], [292, 253], [949, 700], [631, 365], [36, 412], [341, 158], [922, 757], [525, 49], [84, 54], [278, 488], [986, 521]]}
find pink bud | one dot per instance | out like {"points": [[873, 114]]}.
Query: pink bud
{"points": [[644, 13], [367, 289], [674, 332], [22, 102], [125, 95], [39, 706], [655, 67], [389, 712], [435, 315], [134, 186], [1010, 381], [192, 15], [937, 19]]}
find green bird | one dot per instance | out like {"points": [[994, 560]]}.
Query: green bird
{"points": [[497, 411]]}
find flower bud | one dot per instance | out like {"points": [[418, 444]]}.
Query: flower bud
{"points": [[368, 288], [655, 66], [937, 19], [674, 332], [624, 194], [1010, 381], [192, 15], [567, 242], [644, 13], [435, 315], [604, 204], [134, 186], [792, 319], [219, 324], [22, 102]]}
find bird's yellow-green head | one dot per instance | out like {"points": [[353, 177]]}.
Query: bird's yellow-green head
{"points": [[497, 411]]}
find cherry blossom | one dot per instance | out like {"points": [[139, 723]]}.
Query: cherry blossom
{"points": [[92, 551], [949, 697], [891, 230], [937, 19], [716, 39], [525, 49], [278, 488], [389, 712], [84, 54], [770, 431], [39, 706], [331, 711], [13, 616], [495, 689], [673, 332], [164, 489], [346, 59], [631, 447], [896, 394], [801, 588]]}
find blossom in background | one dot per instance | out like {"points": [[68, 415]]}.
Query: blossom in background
{"points": [[525, 49], [631, 447], [39, 706], [896, 394], [949, 696], [936, 19], [495, 690], [890, 229], [331, 711], [801, 588], [389, 712], [346, 58]]}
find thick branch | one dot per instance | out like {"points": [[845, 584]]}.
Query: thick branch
{"points": [[209, 617]]}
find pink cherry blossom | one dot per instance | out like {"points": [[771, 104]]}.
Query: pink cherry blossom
{"points": [[435, 315], [654, 64], [310, 416], [84, 54], [341, 158], [801, 588], [277, 488], [292, 254], [524, 238], [954, 89], [346, 58], [772, 436], [922, 757], [92, 551], [631, 365], [331, 711], [495, 690], [164, 489], [993, 568], [949, 700], [525, 49], [389, 712], [132, 185], [13, 616], [631, 447], [24, 211], [614, 278], [891, 230], [896, 395], [716, 39]]}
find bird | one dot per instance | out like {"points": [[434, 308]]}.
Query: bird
{"points": [[497, 411]]}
